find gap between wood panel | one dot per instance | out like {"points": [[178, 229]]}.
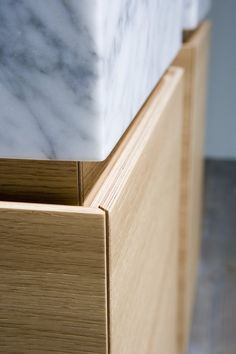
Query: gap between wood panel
{"points": [[107, 228]]}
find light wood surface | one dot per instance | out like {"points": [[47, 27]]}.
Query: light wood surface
{"points": [[194, 59], [92, 172], [141, 198], [52, 182], [52, 280], [102, 278], [49, 182]]}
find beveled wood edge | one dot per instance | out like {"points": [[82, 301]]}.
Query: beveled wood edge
{"points": [[50, 208]]}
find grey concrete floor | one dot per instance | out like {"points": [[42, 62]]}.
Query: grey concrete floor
{"points": [[214, 322]]}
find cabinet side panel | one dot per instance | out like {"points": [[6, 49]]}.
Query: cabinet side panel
{"points": [[52, 280], [194, 59], [142, 206]]}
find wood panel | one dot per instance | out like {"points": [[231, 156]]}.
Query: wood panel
{"points": [[141, 198], [53, 182], [193, 58], [50, 182], [52, 280], [92, 172]]}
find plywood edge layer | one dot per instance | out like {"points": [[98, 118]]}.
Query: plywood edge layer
{"points": [[50, 208]]}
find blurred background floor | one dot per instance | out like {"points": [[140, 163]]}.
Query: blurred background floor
{"points": [[214, 322]]}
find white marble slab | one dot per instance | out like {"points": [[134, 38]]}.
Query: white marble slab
{"points": [[194, 12], [74, 73]]}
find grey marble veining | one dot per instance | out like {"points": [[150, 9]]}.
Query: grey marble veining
{"points": [[74, 73]]}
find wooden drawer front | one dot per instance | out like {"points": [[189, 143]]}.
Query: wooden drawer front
{"points": [[141, 199], [52, 280], [194, 59]]}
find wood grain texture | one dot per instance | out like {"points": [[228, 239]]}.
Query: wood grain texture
{"points": [[53, 182], [52, 280], [49, 182], [141, 198], [193, 58], [101, 278], [92, 172]]}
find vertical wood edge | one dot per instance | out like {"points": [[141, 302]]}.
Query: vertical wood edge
{"points": [[108, 292], [188, 58]]}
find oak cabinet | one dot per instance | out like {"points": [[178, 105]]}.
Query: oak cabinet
{"points": [[102, 277]]}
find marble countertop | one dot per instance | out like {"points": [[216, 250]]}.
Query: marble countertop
{"points": [[73, 74], [194, 12]]}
